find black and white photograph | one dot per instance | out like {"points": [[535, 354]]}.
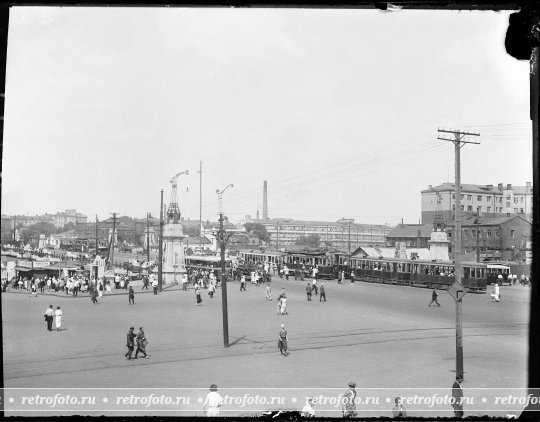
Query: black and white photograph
{"points": [[306, 212]]}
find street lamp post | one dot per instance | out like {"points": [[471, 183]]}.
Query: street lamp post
{"points": [[222, 242]]}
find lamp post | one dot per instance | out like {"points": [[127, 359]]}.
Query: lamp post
{"points": [[222, 242]]}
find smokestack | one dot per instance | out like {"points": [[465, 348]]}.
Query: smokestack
{"points": [[265, 200]]}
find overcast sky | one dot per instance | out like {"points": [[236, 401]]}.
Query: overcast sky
{"points": [[337, 109]]}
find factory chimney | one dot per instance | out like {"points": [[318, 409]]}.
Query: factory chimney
{"points": [[265, 200]]}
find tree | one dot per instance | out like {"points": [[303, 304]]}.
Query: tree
{"points": [[258, 230], [32, 232], [192, 231], [311, 240], [67, 227]]}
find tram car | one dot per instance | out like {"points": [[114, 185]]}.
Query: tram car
{"points": [[209, 263], [430, 274], [252, 260]]}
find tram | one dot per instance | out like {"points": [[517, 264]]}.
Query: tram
{"points": [[430, 274], [209, 263]]}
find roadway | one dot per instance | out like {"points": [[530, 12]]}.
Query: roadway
{"points": [[383, 337]]}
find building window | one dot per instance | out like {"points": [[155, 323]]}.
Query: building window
{"points": [[453, 196], [463, 208], [521, 210], [469, 207], [466, 232], [508, 197], [488, 209], [500, 200], [497, 233], [479, 198], [473, 233], [479, 234], [521, 199], [462, 196], [488, 198], [469, 197], [453, 207], [507, 204], [512, 234], [488, 234], [515, 210], [449, 233], [515, 200]]}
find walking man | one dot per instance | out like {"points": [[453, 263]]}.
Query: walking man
{"points": [[323, 293], [282, 340], [348, 405], [142, 342], [145, 283], [49, 317], [131, 295], [268, 292], [243, 283], [213, 401], [314, 286], [308, 291], [434, 296], [130, 344]]}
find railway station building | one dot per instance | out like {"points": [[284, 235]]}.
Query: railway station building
{"points": [[485, 200]]}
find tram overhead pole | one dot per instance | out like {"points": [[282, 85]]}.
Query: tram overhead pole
{"points": [[458, 141]]}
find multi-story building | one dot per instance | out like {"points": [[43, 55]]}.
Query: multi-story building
{"points": [[344, 234], [60, 219], [487, 200], [413, 235]]}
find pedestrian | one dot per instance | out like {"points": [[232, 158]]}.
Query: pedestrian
{"points": [[49, 317], [308, 291], [268, 292], [457, 398], [323, 293], [514, 279], [496, 295], [352, 277], [58, 314], [198, 294], [307, 410], [145, 282], [314, 286], [155, 286], [142, 342], [213, 401], [129, 343], [94, 295], [283, 310], [348, 405], [286, 271], [184, 282], [243, 283], [34, 290], [131, 295], [398, 411], [282, 340], [434, 296], [211, 289]]}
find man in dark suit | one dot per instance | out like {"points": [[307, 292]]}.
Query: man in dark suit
{"points": [[130, 344], [308, 291], [49, 317], [323, 293]]}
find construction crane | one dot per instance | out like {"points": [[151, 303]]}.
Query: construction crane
{"points": [[173, 212]]}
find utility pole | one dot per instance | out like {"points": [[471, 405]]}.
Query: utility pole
{"points": [[349, 247], [160, 264], [147, 237], [200, 206], [277, 236], [222, 241], [458, 142], [97, 236], [112, 240], [477, 222]]}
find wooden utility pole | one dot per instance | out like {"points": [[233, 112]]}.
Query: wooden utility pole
{"points": [[97, 249], [160, 263], [223, 241], [112, 241], [147, 237], [458, 143], [477, 222], [200, 206]]}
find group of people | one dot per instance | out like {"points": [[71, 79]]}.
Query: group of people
{"points": [[312, 287], [138, 339]]}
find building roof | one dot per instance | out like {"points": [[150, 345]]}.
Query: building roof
{"points": [[312, 223], [488, 221], [410, 230], [471, 188]]}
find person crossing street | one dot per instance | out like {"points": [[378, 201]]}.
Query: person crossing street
{"points": [[434, 296]]}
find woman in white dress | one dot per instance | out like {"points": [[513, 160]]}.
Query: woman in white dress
{"points": [[58, 314], [284, 306]]}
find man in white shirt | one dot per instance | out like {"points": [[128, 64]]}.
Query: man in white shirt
{"points": [[213, 401], [154, 285]]}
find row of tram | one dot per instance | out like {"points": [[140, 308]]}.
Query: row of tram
{"points": [[418, 273]]}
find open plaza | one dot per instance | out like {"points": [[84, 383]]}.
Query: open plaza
{"points": [[384, 338]]}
